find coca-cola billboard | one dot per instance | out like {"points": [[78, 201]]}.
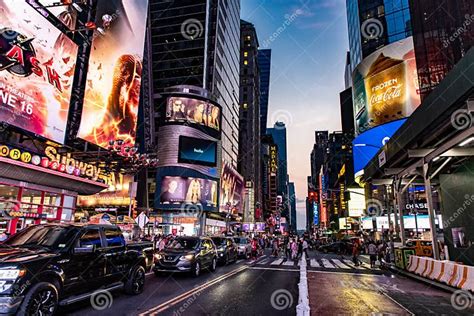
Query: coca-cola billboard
{"points": [[386, 86]]}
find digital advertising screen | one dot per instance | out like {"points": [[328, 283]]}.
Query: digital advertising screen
{"points": [[184, 190], [37, 65], [367, 145], [232, 189], [117, 193], [195, 111], [197, 151], [114, 77], [385, 86]]}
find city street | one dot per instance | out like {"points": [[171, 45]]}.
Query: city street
{"points": [[269, 286]]}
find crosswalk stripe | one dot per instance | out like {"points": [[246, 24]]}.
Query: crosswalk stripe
{"points": [[327, 264], [265, 261], [314, 263], [276, 262], [351, 264], [340, 264], [288, 263]]}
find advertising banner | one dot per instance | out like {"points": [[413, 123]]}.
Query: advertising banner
{"points": [[37, 64], [193, 111], [232, 186], [116, 195], [386, 86], [115, 69], [179, 190]]}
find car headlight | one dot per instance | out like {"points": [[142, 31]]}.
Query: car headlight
{"points": [[187, 257], [158, 256], [221, 249], [11, 274]]}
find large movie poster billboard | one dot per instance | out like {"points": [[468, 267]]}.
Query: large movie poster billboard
{"points": [[232, 188], [385, 86], [179, 109], [37, 64], [115, 67]]}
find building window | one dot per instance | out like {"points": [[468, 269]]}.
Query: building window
{"points": [[246, 62], [248, 37], [246, 54]]}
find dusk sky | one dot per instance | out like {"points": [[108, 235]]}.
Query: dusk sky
{"points": [[309, 42]]}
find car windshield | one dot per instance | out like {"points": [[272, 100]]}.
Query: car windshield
{"points": [[181, 243], [218, 241], [43, 236]]}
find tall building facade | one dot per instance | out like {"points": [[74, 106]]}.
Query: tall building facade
{"points": [[317, 158], [196, 43], [443, 32], [194, 54], [293, 219], [278, 132], [249, 162], [264, 64]]}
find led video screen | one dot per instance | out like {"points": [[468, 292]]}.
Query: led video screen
{"points": [[193, 111], [115, 68], [179, 190], [37, 65], [197, 151]]}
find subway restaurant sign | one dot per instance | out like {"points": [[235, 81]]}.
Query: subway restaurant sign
{"points": [[54, 161]]}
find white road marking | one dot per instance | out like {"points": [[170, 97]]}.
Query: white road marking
{"points": [[276, 262], [314, 263], [289, 263], [339, 264], [327, 264]]}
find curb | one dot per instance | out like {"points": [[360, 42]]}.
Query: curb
{"points": [[303, 309], [437, 285]]}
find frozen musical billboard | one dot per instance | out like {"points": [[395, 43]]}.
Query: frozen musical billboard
{"points": [[37, 64], [114, 77]]}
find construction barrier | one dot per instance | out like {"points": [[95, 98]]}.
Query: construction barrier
{"points": [[448, 272]]}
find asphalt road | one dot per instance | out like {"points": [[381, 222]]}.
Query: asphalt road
{"points": [[269, 286]]}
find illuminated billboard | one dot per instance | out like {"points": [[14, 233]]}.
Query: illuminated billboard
{"points": [[114, 77], [184, 190], [385, 86], [367, 145], [232, 188], [37, 64], [195, 111], [198, 151], [117, 193]]}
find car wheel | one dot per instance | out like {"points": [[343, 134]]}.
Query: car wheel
{"points": [[197, 269], [41, 299], [247, 255], [136, 281], [226, 262], [213, 265]]}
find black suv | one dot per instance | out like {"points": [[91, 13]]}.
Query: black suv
{"points": [[226, 249], [46, 265], [187, 254]]}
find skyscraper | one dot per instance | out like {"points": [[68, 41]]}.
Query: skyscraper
{"points": [[292, 192], [196, 42], [278, 132], [264, 64], [249, 162]]}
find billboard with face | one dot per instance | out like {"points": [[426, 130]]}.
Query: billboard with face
{"points": [[385, 86], [115, 68], [232, 186], [179, 190], [37, 64], [193, 111]]}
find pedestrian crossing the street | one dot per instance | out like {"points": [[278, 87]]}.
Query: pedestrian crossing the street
{"points": [[341, 264]]}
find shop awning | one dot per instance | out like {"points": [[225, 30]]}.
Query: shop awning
{"points": [[18, 170]]}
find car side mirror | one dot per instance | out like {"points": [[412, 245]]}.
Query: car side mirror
{"points": [[84, 249]]}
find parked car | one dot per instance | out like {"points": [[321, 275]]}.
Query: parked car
{"points": [[187, 254], [48, 265], [226, 249], [244, 248]]}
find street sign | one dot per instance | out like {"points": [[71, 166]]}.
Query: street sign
{"points": [[142, 220]]}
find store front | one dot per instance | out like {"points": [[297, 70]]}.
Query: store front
{"points": [[32, 192]]}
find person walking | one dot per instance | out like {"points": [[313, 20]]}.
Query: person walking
{"points": [[372, 249], [305, 248], [294, 249], [355, 253], [275, 247]]}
